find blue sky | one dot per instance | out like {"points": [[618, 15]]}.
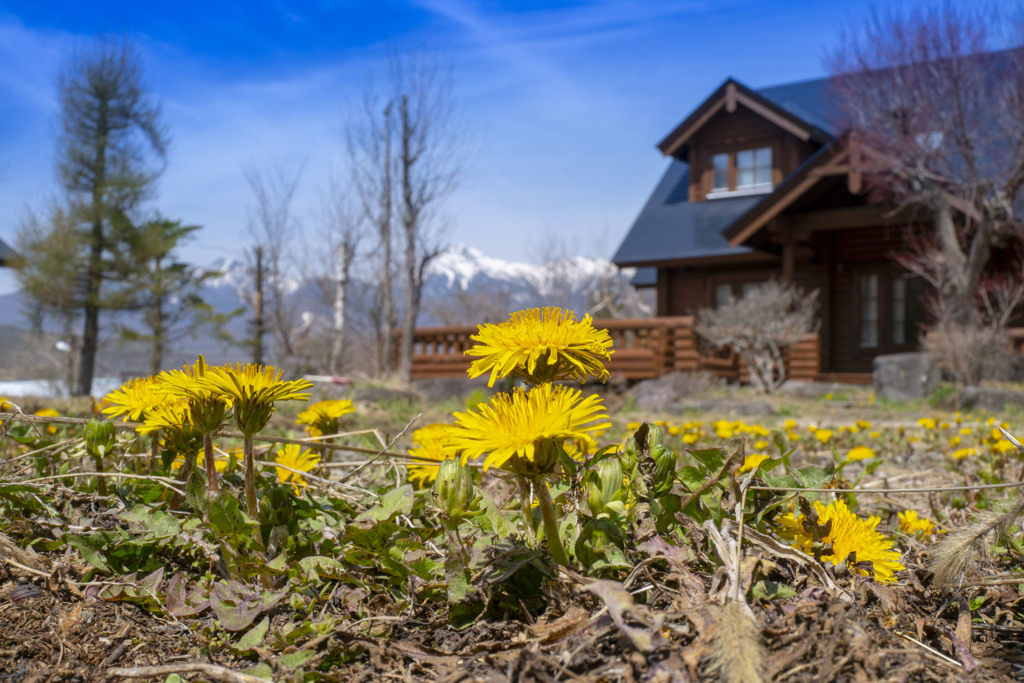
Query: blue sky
{"points": [[565, 100]]}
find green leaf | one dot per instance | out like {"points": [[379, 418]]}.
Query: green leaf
{"points": [[492, 520], [770, 590], [295, 659], [691, 477], [253, 637], [711, 458], [319, 567], [92, 555], [395, 502], [785, 481], [237, 606], [814, 477]]}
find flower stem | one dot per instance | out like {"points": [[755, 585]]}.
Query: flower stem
{"points": [[211, 465], [250, 477], [547, 511]]}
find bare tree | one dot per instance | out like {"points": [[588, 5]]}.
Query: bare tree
{"points": [[276, 232], [369, 142], [50, 275], [407, 154], [759, 326], [940, 119], [342, 228]]}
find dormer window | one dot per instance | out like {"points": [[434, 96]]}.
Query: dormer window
{"points": [[754, 168], [746, 171]]}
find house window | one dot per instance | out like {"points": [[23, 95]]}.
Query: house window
{"points": [[749, 288], [869, 310], [720, 172], [741, 172], [754, 168], [899, 311], [723, 294]]}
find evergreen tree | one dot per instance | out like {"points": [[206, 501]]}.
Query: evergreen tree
{"points": [[111, 148]]}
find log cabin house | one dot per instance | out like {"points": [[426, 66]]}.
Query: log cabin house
{"points": [[6, 255], [761, 186]]}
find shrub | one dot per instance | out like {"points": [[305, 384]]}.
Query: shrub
{"points": [[759, 326]]}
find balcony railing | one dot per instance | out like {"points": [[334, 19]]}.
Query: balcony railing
{"points": [[644, 348]]}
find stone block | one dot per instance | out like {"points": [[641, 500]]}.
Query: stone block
{"points": [[906, 376]]}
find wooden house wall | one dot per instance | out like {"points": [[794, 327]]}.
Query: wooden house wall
{"points": [[742, 129], [832, 264]]}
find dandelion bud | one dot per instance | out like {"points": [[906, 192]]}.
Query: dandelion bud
{"points": [[603, 483], [654, 436], [99, 436], [453, 489], [664, 469], [276, 508], [595, 540]]}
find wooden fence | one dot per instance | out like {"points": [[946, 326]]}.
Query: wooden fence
{"points": [[644, 348]]}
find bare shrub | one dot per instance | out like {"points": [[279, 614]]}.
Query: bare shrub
{"points": [[759, 326], [978, 347]]}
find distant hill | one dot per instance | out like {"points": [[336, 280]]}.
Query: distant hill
{"points": [[463, 286]]}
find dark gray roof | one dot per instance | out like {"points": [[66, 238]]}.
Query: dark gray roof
{"points": [[807, 100], [6, 254], [669, 227], [645, 277]]}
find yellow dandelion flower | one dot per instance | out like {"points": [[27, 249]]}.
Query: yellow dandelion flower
{"points": [[954, 441], [517, 430], [253, 390], [927, 423], [990, 422], [752, 461], [962, 453], [133, 399], [966, 431], [789, 425], [291, 455], [220, 464], [1002, 446], [859, 453], [760, 445], [541, 345], [875, 435], [823, 435], [847, 534], [208, 408], [429, 447], [5, 404], [863, 424], [911, 524], [49, 412], [322, 417], [690, 438]]}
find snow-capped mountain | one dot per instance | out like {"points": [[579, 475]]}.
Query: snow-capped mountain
{"points": [[462, 286]]}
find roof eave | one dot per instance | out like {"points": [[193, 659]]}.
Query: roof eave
{"points": [[728, 96]]}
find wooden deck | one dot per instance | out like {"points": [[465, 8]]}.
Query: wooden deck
{"points": [[644, 348]]}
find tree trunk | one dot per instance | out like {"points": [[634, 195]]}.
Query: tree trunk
{"points": [[342, 264], [384, 227], [157, 356], [258, 323], [411, 224], [91, 326]]}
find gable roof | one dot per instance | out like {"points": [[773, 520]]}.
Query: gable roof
{"points": [[7, 255], [799, 108], [671, 228]]}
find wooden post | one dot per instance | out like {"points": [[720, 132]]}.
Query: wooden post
{"points": [[788, 260]]}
